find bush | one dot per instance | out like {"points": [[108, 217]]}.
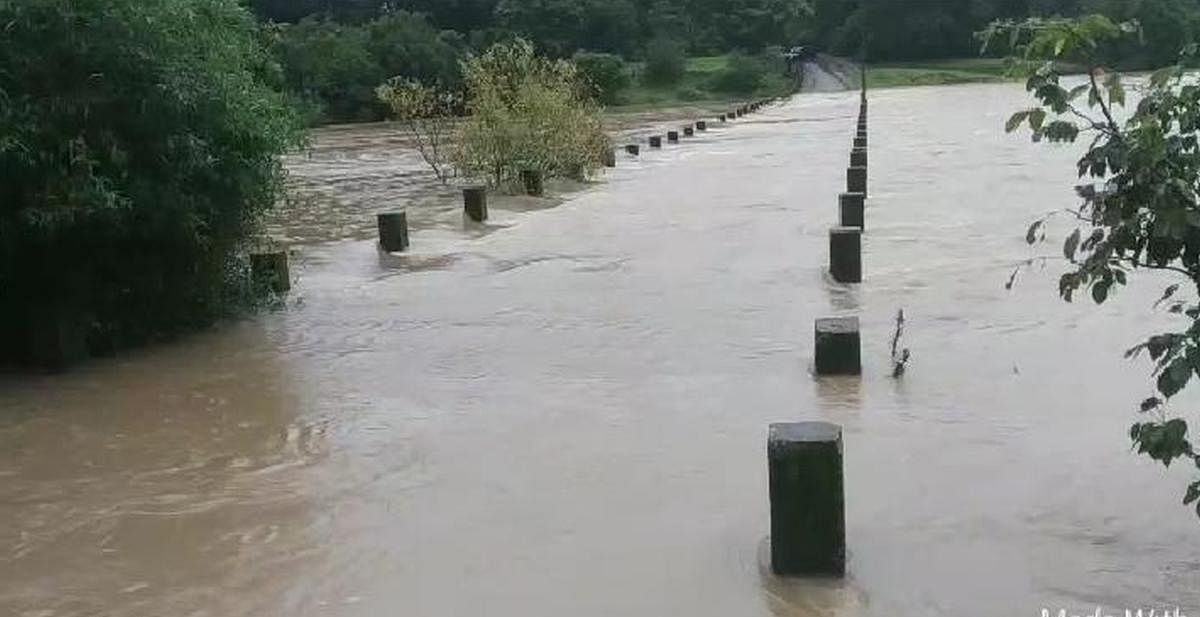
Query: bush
{"points": [[606, 74], [666, 61], [527, 112], [139, 143], [743, 75]]}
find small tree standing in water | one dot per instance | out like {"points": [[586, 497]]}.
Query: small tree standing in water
{"points": [[428, 115], [1139, 200], [528, 113]]}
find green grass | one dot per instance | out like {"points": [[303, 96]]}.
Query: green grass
{"points": [[694, 88], [937, 72]]}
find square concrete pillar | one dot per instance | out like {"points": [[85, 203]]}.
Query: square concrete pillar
{"points": [[851, 207], [856, 180], [845, 254], [837, 347], [808, 520], [393, 231]]}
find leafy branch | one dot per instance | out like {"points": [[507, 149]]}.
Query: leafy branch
{"points": [[1139, 206]]}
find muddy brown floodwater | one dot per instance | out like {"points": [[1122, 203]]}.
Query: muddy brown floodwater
{"points": [[566, 413]]}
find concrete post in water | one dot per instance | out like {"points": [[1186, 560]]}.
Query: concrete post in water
{"points": [[701, 125], [838, 347], [858, 157], [723, 118], [532, 180], [633, 149], [393, 231], [689, 131], [851, 208], [845, 254], [610, 158], [672, 137], [475, 203], [808, 519], [272, 270], [739, 112], [856, 180], [656, 141]]}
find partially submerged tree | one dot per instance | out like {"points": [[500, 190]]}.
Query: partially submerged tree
{"points": [[1139, 210], [428, 115], [527, 112]]}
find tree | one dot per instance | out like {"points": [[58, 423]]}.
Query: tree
{"points": [[1139, 198], [428, 116], [330, 66], [139, 143], [336, 67], [606, 74], [527, 113], [666, 61]]}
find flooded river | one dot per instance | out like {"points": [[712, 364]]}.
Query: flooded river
{"points": [[565, 413]]}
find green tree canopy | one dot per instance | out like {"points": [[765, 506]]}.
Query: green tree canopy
{"points": [[139, 142]]}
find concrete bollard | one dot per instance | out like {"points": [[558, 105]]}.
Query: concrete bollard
{"points": [[701, 125], [738, 112], [656, 141], [808, 518], [633, 149], [845, 254], [271, 269], [837, 346], [672, 137], [860, 142], [610, 158], [723, 118], [689, 131], [475, 203], [532, 180], [851, 208], [858, 157], [856, 180], [393, 231]]}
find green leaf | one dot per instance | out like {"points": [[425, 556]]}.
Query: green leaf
{"points": [[1015, 121], [1036, 118], [1071, 245], [1193, 494], [1100, 292], [1031, 235], [1167, 293], [1171, 381]]}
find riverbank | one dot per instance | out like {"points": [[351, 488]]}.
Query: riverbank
{"points": [[697, 88], [937, 72]]}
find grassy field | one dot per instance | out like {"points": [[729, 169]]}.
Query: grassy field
{"points": [[695, 88], [937, 73]]}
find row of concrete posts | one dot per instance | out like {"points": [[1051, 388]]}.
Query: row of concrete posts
{"points": [[804, 459], [272, 268]]}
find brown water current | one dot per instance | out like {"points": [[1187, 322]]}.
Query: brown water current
{"points": [[565, 412]]}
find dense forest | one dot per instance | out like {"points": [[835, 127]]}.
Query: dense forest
{"points": [[335, 52]]}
